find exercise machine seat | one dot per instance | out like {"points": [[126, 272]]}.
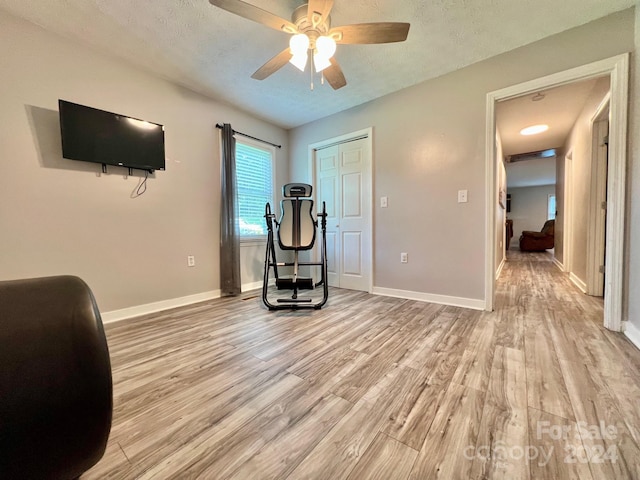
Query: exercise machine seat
{"points": [[56, 394]]}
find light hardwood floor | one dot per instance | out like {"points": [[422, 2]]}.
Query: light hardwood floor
{"points": [[377, 387]]}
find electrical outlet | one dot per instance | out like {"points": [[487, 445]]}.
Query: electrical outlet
{"points": [[462, 196], [384, 202], [191, 261], [404, 257]]}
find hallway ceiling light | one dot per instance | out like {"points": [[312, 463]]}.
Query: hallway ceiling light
{"points": [[534, 129]]}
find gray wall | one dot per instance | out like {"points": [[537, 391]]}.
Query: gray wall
{"points": [[59, 216], [429, 141], [528, 209]]}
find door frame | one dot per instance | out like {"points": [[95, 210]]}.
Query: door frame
{"points": [[567, 213], [596, 244], [618, 70], [367, 134]]}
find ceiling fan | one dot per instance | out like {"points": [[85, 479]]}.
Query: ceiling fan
{"points": [[310, 30]]}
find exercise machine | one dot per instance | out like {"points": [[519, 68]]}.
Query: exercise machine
{"points": [[296, 232]]}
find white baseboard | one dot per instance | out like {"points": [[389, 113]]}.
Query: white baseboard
{"points": [[431, 298], [577, 282], [252, 286], [632, 333], [130, 312], [500, 267], [558, 264]]}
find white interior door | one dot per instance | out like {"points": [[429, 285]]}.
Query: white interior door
{"points": [[343, 178]]}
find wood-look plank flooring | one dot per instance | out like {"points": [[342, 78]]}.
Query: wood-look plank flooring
{"points": [[373, 387]]}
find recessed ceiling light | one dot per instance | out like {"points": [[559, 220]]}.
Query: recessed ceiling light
{"points": [[534, 129]]}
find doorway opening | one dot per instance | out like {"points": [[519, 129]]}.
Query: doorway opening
{"points": [[617, 69]]}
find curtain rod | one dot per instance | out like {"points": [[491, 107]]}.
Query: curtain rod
{"points": [[249, 136]]}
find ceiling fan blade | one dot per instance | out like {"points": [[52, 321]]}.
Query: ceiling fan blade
{"points": [[367, 33], [319, 8], [256, 14], [334, 75], [273, 65]]}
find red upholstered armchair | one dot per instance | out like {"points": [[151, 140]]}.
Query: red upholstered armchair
{"points": [[538, 241]]}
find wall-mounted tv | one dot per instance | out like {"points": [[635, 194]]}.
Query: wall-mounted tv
{"points": [[93, 135]]}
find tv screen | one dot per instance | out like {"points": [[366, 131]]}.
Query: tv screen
{"points": [[93, 135]]}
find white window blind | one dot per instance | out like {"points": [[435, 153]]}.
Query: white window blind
{"points": [[254, 177]]}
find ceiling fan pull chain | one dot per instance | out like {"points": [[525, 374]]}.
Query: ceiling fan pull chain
{"points": [[311, 75]]}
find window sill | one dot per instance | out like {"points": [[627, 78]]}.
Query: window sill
{"points": [[251, 242]]}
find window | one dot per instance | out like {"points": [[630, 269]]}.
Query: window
{"points": [[254, 177], [551, 207]]}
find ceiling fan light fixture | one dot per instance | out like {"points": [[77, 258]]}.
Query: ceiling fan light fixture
{"points": [[299, 61], [320, 62], [325, 46], [299, 44], [534, 129]]}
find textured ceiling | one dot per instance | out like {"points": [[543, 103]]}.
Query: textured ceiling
{"points": [[559, 109], [211, 51]]}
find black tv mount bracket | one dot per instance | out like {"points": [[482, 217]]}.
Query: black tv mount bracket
{"points": [[130, 169]]}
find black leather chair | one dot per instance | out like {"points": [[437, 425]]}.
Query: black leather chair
{"points": [[56, 396]]}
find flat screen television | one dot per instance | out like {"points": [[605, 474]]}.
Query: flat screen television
{"points": [[93, 135]]}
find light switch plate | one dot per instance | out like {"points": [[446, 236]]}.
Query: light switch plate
{"points": [[384, 202]]}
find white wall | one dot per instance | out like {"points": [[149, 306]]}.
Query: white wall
{"points": [[527, 173], [579, 142], [429, 142], [528, 209], [60, 216]]}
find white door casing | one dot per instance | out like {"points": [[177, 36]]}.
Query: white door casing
{"points": [[567, 214], [326, 189], [597, 210]]}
